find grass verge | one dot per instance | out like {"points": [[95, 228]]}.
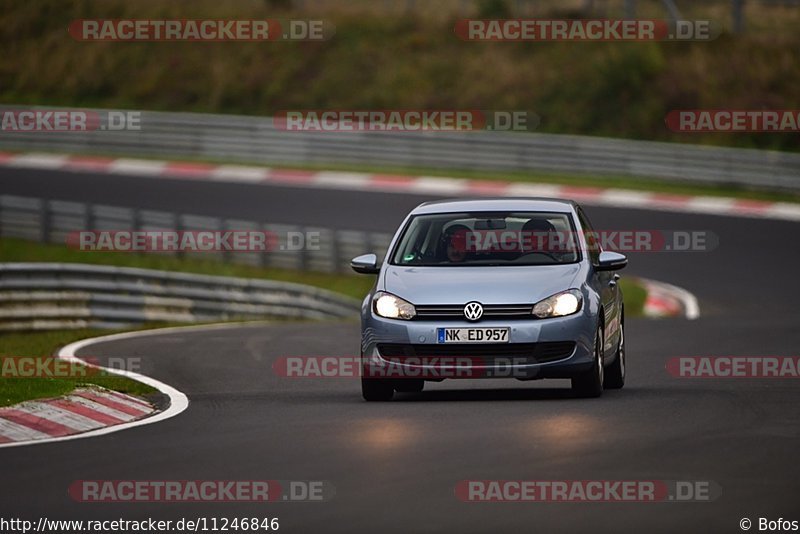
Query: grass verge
{"points": [[42, 345], [385, 57], [634, 295]]}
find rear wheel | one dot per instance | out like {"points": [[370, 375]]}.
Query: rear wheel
{"points": [[376, 389], [590, 383], [615, 374], [409, 385]]}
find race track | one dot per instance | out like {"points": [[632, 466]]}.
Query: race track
{"points": [[395, 466]]}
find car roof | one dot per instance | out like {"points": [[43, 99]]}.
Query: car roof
{"points": [[496, 204]]}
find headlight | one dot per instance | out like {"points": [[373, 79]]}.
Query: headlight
{"points": [[558, 305], [392, 307]]}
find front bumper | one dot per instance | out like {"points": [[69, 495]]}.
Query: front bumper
{"points": [[415, 336]]}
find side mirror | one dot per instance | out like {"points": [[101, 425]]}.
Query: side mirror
{"points": [[365, 264], [611, 261]]}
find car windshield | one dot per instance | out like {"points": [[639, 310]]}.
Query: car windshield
{"points": [[493, 238]]}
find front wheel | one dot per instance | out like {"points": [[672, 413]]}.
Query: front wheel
{"points": [[590, 383], [376, 389], [615, 374]]}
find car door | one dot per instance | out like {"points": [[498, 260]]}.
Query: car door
{"points": [[605, 283]]}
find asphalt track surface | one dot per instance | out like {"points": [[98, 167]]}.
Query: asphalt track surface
{"points": [[395, 466]]}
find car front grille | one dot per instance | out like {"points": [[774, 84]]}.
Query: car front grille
{"points": [[482, 354], [490, 311]]}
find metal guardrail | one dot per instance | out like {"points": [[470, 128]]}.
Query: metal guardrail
{"points": [[255, 139], [41, 296], [51, 221]]}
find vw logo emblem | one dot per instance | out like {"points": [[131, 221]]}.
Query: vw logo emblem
{"points": [[473, 311]]}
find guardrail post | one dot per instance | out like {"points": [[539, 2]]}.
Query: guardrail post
{"points": [[136, 220], [738, 16], [630, 9], [91, 221], [227, 255], [262, 255], [44, 221], [305, 255], [336, 260], [178, 228]]}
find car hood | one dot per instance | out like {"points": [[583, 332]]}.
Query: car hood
{"points": [[487, 285]]}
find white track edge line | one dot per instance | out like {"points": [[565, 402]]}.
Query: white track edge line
{"points": [[608, 196], [178, 400], [691, 307]]}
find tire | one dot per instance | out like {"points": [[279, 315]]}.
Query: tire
{"points": [[376, 389], [590, 383], [409, 385], [615, 373]]}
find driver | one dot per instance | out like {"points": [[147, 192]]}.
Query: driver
{"points": [[452, 245]]}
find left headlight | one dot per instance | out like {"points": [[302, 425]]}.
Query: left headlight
{"points": [[559, 305], [392, 307]]}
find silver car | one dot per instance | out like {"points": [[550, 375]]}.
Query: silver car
{"points": [[493, 288]]}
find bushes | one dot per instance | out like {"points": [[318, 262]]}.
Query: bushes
{"points": [[593, 88]]}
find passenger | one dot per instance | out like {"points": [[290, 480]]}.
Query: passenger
{"points": [[538, 235]]}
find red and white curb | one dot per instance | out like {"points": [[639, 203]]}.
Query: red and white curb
{"points": [[667, 300], [121, 415], [389, 183], [83, 410], [178, 401]]}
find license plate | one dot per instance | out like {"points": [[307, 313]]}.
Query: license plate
{"points": [[472, 335]]}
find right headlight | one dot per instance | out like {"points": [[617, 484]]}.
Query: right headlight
{"points": [[392, 306], [559, 305]]}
